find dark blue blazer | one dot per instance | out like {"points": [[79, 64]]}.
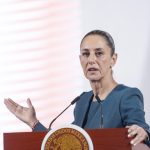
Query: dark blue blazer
{"points": [[123, 106]]}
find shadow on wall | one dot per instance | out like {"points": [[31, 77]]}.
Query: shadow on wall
{"points": [[146, 85]]}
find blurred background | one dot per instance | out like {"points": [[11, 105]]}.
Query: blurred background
{"points": [[39, 53]]}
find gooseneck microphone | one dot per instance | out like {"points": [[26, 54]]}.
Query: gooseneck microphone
{"points": [[98, 99], [74, 101], [101, 111]]}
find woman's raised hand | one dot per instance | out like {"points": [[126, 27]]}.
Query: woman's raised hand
{"points": [[25, 114]]}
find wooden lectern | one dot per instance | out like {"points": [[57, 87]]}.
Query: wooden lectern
{"points": [[103, 139]]}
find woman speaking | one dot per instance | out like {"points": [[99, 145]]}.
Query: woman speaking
{"points": [[109, 104]]}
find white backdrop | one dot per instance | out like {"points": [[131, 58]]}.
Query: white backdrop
{"points": [[39, 47]]}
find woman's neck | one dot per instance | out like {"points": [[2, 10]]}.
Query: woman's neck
{"points": [[102, 89]]}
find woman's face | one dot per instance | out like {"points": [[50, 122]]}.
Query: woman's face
{"points": [[95, 57]]}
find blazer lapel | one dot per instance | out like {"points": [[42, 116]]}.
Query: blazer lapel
{"points": [[82, 108]]}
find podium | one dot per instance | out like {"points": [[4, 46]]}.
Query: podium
{"points": [[103, 139]]}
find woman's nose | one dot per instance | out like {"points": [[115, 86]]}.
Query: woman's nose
{"points": [[92, 58]]}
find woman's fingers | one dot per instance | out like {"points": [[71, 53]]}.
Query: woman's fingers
{"points": [[138, 133], [138, 138], [25, 114], [11, 105], [29, 103]]}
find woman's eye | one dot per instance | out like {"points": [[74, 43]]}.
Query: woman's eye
{"points": [[99, 53], [85, 54]]}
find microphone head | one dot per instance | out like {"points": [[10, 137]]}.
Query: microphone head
{"points": [[75, 100], [98, 99]]}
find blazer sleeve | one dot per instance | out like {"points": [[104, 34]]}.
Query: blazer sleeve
{"points": [[39, 127], [132, 110]]}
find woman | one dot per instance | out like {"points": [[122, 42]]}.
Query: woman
{"points": [[109, 104]]}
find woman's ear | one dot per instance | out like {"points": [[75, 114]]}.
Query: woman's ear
{"points": [[114, 59]]}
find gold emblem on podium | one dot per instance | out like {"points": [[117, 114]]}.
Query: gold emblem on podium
{"points": [[67, 138]]}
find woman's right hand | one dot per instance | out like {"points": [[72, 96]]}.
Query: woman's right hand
{"points": [[25, 114]]}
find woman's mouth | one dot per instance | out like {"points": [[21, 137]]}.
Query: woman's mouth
{"points": [[92, 69]]}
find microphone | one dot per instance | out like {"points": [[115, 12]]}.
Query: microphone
{"points": [[101, 110], [74, 101], [98, 99]]}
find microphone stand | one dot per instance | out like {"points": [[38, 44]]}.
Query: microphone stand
{"points": [[74, 101]]}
